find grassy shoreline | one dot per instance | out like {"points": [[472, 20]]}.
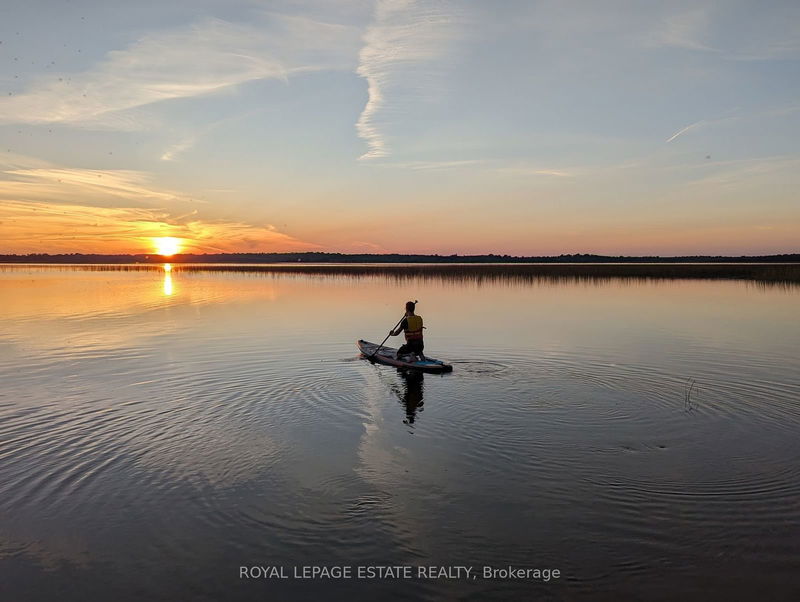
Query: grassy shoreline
{"points": [[786, 273]]}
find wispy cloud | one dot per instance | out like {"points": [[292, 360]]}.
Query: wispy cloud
{"points": [[687, 29], [176, 149], [207, 57], [171, 153], [485, 165], [82, 182], [404, 36], [737, 117], [736, 172], [521, 170], [706, 27], [439, 165], [686, 129], [119, 211], [55, 227]]}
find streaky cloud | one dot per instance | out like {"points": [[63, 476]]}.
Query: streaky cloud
{"points": [[704, 123], [404, 35], [686, 129], [520, 170], [59, 227], [38, 212], [172, 152], [206, 57], [439, 165], [108, 183], [687, 30]]}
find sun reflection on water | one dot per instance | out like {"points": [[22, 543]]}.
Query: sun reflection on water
{"points": [[168, 288]]}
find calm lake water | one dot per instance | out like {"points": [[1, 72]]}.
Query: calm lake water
{"points": [[158, 430]]}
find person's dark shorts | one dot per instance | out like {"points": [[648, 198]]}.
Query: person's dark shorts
{"points": [[415, 346]]}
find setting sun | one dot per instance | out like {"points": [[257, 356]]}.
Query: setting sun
{"points": [[167, 245]]}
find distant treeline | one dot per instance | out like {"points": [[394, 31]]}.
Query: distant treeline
{"points": [[314, 257]]}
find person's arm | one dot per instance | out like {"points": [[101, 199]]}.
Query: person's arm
{"points": [[403, 326]]}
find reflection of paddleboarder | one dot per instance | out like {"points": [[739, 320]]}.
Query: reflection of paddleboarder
{"points": [[411, 325], [411, 397]]}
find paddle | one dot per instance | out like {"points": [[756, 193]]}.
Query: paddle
{"points": [[378, 348]]}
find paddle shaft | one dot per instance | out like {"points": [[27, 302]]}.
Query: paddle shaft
{"points": [[378, 348]]}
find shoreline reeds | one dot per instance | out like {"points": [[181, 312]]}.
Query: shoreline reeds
{"points": [[787, 273]]}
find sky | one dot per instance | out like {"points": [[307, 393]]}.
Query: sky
{"points": [[409, 126]]}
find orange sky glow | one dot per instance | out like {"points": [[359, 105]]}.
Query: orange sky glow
{"points": [[401, 127]]}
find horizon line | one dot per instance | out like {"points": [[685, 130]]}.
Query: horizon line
{"points": [[178, 256]]}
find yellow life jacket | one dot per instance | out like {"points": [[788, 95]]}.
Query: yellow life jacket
{"points": [[414, 328]]}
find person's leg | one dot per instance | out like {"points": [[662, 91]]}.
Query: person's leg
{"points": [[416, 346], [416, 349]]}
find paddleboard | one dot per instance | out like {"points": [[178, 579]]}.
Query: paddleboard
{"points": [[387, 355]]}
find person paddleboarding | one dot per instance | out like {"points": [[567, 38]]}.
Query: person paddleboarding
{"points": [[411, 325]]}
